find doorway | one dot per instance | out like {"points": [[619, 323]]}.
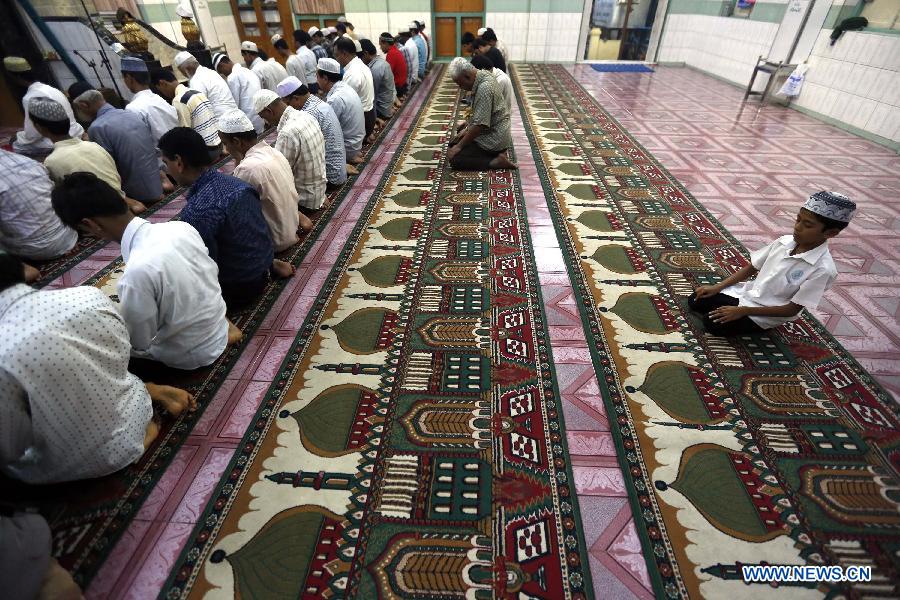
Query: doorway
{"points": [[619, 29], [453, 18]]}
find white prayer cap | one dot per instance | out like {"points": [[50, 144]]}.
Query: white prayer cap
{"points": [[831, 205], [181, 58], [313, 31], [235, 121], [275, 38], [249, 46], [358, 46], [342, 19], [329, 65], [288, 86], [328, 31], [263, 98], [413, 25], [481, 31]]}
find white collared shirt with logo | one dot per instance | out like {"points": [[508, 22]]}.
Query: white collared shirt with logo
{"points": [[782, 278]]}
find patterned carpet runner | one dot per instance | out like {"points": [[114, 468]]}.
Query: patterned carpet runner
{"points": [[88, 517], [412, 445], [778, 449]]}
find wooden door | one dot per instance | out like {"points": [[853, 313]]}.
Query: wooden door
{"points": [[470, 24], [258, 20], [445, 37]]}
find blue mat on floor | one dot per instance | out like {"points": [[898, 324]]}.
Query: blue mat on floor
{"points": [[621, 68]]}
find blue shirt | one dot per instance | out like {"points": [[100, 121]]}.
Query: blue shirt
{"points": [[319, 51], [228, 214], [335, 155], [423, 54], [127, 138], [348, 109]]}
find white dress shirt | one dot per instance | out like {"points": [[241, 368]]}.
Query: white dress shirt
{"points": [[158, 114], [414, 51], [29, 141], [170, 296], [29, 227], [270, 72], [243, 84], [308, 58], [358, 76], [214, 87], [782, 278], [69, 408], [505, 86], [294, 66]]}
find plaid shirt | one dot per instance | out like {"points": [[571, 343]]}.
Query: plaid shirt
{"points": [[301, 141], [335, 155]]}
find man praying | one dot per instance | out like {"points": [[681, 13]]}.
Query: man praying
{"points": [[346, 105]]}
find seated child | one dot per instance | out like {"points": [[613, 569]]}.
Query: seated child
{"points": [[793, 273]]}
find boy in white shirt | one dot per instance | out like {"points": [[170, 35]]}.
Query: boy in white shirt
{"points": [[792, 273]]}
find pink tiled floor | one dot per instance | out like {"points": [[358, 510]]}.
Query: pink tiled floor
{"points": [[750, 168]]}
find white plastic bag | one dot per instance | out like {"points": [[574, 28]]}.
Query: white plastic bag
{"points": [[793, 83]]}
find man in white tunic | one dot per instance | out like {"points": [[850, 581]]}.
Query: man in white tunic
{"points": [[159, 115], [346, 105], [169, 294], [301, 142], [308, 58], [268, 71], [69, 408], [29, 141], [358, 76], [206, 81], [243, 84]]}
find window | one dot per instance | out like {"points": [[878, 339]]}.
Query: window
{"points": [[740, 9]]}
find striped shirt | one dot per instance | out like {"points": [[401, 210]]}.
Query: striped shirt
{"points": [[335, 155], [196, 112], [319, 51], [28, 226], [411, 68], [127, 138], [303, 145]]}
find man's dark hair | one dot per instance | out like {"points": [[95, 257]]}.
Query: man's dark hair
{"points": [[301, 37], [333, 77], [161, 75], [467, 38], [85, 196], [282, 44], [345, 45], [479, 43], [141, 78], [403, 36], [247, 136], [368, 46], [828, 223], [12, 271], [186, 143], [318, 33], [262, 54], [342, 28], [489, 35], [55, 127], [482, 62]]}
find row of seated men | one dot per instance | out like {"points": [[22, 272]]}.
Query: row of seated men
{"points": [[76, 401]]}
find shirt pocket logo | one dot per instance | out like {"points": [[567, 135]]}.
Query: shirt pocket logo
{"points": [[795, 275]]}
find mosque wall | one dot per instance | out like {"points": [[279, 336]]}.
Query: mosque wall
{"points": [[854, 84]]}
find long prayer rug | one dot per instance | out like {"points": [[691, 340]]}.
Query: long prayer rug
{"points": [[412, 444], [88, 517], [770, 450]]}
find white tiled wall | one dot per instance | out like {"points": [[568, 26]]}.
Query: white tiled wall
{"points": [[856, 81], [372, 24], [723, 46], [537, 37]]}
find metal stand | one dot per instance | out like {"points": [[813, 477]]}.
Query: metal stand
{"points": [[766, 66]]}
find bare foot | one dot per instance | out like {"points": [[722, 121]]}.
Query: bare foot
{"points": [[502, 162], [235, 335], [58, 583], [306, 223], [151, 434], [357, 160], [282, 269], [351, 170], [173, 399], [135, 206], [31, 274]]}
